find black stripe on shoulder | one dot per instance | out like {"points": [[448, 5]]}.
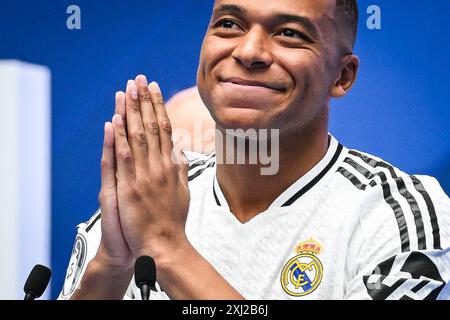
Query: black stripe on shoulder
{"points": [[199, 172], [388, 197], [434, 222], [352, 178], [96, 217], [366, 173], [401, 186]]}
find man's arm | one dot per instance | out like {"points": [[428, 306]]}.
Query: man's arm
{"points": [[382, 270], [103, 281]]}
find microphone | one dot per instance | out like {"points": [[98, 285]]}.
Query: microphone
{"points": [[37, 281], [145, 275]]}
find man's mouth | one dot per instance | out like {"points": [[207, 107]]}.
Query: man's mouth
{"points": [[253, 83]]}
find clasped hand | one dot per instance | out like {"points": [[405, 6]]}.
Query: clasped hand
{"points": [[144, 193]]}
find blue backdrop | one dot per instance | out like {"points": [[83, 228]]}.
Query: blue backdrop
{"points": [[398, 110]]}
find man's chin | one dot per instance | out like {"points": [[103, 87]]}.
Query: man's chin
{"points": [[240, 125]]}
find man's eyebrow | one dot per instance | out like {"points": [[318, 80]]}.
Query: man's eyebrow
{"points": [[230, 8], [307, 23]]}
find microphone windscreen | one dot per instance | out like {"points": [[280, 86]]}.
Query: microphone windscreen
{"points": [[37, 280], [145, 271]]}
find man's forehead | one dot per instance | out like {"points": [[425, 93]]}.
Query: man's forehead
{"points": [[311, 8]]}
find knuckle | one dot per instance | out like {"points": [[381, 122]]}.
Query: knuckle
{"points": [[133, 194], [162, 182], [101, 197], [122, 132], [159, 99], [139, 137], [166, 126], [146, 97], [125, 155], [152, 127], [135, 106], [159, 178], [105, 164]]}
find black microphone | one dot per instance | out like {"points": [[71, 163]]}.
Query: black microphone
{"points": [[145, 275], [36, 282]]}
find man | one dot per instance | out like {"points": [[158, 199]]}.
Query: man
{"points": [[333, 223]]}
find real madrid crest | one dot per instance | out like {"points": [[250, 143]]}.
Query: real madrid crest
{"points": [[303, 273]]}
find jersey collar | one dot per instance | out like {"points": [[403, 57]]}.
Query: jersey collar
{"points": [[301, 186]]}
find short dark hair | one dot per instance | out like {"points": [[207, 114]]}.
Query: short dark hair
{"points": [[350, 10]]}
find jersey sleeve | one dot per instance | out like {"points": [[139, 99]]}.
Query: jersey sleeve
{"points": [[384, 270], [84, 249]]}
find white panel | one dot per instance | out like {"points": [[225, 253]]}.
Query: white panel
{"points": [[25, 141]]}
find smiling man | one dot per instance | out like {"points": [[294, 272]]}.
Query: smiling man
{"points": [[333, 223]]}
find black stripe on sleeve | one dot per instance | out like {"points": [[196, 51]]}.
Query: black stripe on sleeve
{"points": [[434, 222], [401, 186], [89, 227], [399, 216]]}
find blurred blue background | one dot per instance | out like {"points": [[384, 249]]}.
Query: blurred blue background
{"points": [[399, 109]]}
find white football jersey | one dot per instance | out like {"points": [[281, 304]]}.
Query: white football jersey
{"points": [[353, 227]]}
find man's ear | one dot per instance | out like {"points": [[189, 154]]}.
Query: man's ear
{"points": [[347, 76]]}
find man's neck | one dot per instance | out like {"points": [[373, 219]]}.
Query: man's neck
{"points": [[249, 193]]}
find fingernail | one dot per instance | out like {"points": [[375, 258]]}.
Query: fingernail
{"points": [[133, 91], [154, 86], [117, 119], [141, 80]]}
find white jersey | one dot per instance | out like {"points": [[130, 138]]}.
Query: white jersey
{"points": [[353, 227]]}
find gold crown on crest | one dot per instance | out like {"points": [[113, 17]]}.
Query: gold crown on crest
{"points": [[308, 246]]}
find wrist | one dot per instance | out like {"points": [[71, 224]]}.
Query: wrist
{"points": [[113, 264], [167, 253], [163, 246], [103, 264], [103, 281]]}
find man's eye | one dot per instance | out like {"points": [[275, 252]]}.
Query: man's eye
{"points": [[289, 33], [226, 24]]}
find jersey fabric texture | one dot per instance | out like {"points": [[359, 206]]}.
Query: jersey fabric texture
{"points": [[353, 227]]}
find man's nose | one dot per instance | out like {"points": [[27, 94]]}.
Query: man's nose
{"points": [[253, 50]]}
